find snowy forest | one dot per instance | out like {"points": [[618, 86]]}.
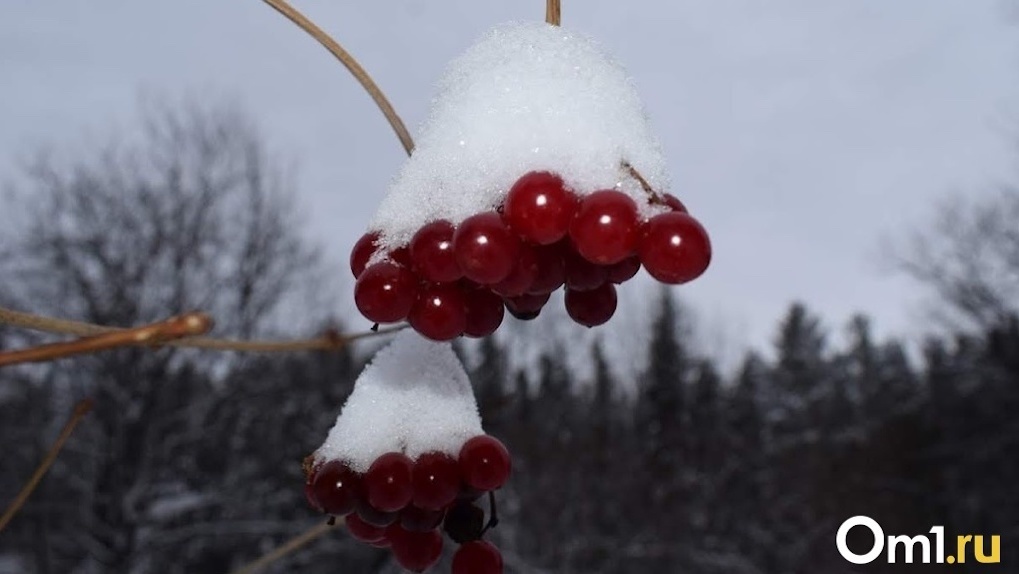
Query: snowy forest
{"points": [[190, 461]]}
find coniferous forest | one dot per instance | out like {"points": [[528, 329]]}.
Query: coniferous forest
{"points": [[190, 461]]}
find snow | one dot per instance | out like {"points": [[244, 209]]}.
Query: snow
{"points": [[527, 96], [414, 398]]}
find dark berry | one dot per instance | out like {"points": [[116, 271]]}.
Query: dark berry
{"points": [[362, 252], [485, 248], [526, 307], [440, 312], [336, 488], [464, 522], [415, 551], [581, 274], [484, 463], [605, 230], [387, 484], [624, 270], [485, 311], [591, 308], [385, 292], [364, 532], [520, 279], [417, 519], [539, 208], [477, 557], [374, 516], [431, 253], [551, 273], [673, 203]]}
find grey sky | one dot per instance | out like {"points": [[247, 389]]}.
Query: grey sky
{"points": [[799, 131]]}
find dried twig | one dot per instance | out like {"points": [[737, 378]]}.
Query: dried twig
{"points": [[331, 341], [652, 195], [80, 410], [553, 12], [351, 64], [187, 325], [288, 547]]}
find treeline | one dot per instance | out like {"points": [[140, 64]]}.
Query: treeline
{"points": [[686, 471]]}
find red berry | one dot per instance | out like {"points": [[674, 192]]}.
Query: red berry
{"points": [[477, 557], [415, 551], [436, 479], [673, 203], [417, 519], [539, 208], [485, 248], [431, 253], [484, 463], [551, 272], [385, 292], [624, 270], [484, 311], [591, 308], [522, 276], [361, 530], [387, 483], [526, 307], [605, 229], [362, 252], [336, 488], [581, 274], [440, 312], [674, 248]]}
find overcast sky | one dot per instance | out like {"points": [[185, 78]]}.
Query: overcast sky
{"points": [[800, 132]]}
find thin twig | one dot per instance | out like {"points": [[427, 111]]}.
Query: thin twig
{"points": [[351, 64], [653, 196], [187, 325], [80, 410], [329, 342], [553, 12], [288, 547]]}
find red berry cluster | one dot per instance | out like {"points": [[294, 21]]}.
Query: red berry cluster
{"points": [[455, 280], [402, 504]]}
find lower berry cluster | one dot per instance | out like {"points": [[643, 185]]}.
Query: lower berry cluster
{"points": [[405, 504], [451, 280]]}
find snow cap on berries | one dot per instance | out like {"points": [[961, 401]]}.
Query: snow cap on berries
{"points": [[527, 97], [414, 398]]}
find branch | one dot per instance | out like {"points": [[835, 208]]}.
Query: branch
{"points": [[553, 12], [330, 341], [288, 547], [80, 410], [187, 325], [352, 66]]}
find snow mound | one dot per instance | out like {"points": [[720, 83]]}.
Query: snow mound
{"points": [[414, 398], [528, 96]]}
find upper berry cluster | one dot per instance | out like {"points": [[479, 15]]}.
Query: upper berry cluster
{"points": [[452, 280]]}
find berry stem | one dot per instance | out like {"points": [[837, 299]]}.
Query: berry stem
{"points": [[493, 513], [80, 410], [352, 66], [653, 196], [553, 12]]}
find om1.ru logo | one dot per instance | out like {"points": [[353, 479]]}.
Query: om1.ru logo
{"points": [[909, 545]]}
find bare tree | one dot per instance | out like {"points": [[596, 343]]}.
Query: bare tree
{"points": [[969, 256], [189, 213]]}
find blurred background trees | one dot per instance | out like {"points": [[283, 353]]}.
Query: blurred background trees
{"points": [[191, 461]]}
